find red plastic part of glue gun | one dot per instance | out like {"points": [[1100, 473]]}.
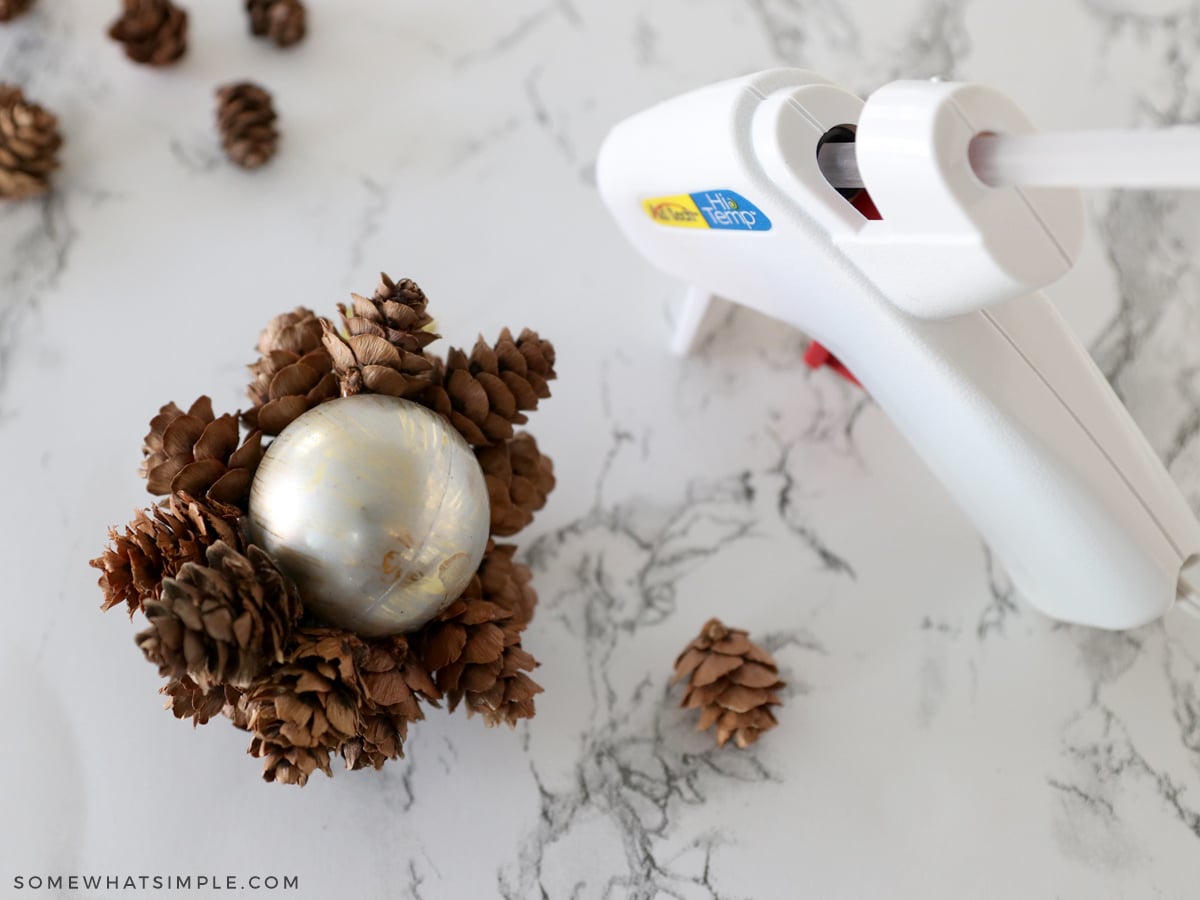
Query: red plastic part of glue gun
{"points": [[817, 355]]}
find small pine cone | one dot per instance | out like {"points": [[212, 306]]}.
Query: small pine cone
{"points": [[29, 144], [198, 454], [157, 543], [286, 386], [223, 622], [394, 681], [154, 32], [297, 332], [518, 478], [395, 313], [474, 646], [188, 700], [294, 373], [535, 368], [732, 680], [304, 710], [246, 121], [259, 13], [368, 364], [10, 9], [283, 21], [485, 394]]}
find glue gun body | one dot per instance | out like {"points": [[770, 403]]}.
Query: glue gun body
{"points": [[934, 307]]}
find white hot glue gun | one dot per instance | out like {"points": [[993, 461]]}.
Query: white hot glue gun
{"points": [[925, 286]]}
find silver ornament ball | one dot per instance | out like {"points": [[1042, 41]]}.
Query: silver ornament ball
{"points": [[376, 508]]}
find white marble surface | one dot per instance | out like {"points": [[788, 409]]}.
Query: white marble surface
{"points": [[940, 739]]}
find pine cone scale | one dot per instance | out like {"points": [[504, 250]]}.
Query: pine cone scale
{"points": [[232, 487]]}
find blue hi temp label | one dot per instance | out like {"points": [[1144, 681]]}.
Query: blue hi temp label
{"points": [[722, 210]]}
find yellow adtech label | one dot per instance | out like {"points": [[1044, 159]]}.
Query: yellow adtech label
{"points": [[679, 211], [721, 210]]}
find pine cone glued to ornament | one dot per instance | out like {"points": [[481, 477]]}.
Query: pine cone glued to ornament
{"points": [[474, 647], [369, 364], [303, 711], [198, 454], [246, 121], [223, 622], [485, 394], [394, 680], [10, 9], [518, 478], [157, 543], [29, 144], [294, 373], [154, 32], [732, 680], [395, 313]]}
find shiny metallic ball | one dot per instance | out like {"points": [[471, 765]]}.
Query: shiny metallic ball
{"points": [[376, 508]]}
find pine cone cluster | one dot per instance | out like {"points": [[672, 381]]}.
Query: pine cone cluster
{"points": [[153, 32], [10, 9], [227, 629], [282, 21], [29, 144], [732, 681], [246, 121]]}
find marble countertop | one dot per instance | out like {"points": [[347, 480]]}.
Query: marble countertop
{"points": [[940, 739]]}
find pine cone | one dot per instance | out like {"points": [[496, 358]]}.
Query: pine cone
{"points": [[198, 454], [294, 373], [188, 700], [395, 313], [297, 332], [157, 543], [29, 144], [246, 121], [732, 680], [485, 394], [393, 680], [283, 21], [518, 480], [305, 710], [154, 32], [10, 9], [367, 363], [221, 623], [474, 647]]}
